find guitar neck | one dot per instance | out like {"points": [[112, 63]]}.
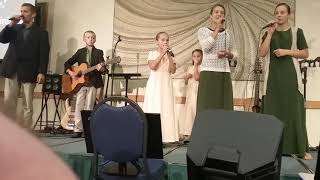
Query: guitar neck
{"points": [[102, 64], [90, 69]]}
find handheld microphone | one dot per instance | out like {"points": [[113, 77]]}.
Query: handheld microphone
{"points": [[268, 25], [170, 53], [14, 18]]}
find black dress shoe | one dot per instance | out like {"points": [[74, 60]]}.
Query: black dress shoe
{"points": [[76, 135]]}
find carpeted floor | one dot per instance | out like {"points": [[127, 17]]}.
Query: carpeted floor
{"points": [[73, 151]]}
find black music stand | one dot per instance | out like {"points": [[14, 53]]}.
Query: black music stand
{"points": [[126, 76], [51, 86], [304, 64]]}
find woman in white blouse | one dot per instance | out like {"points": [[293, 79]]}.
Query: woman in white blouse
{"points": [[217, 43]]}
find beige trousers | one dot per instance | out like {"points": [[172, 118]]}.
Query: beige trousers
{"points": [[12, 90], [85, 100]]}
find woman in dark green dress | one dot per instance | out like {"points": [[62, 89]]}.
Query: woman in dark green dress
{"points": [[282, 45]]}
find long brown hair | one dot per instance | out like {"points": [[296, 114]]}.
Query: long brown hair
{"points": [[197, 50], [159, 33], [285, 5], [218, 5]]}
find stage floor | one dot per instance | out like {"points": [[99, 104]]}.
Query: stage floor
{"points": [[175, 156]]}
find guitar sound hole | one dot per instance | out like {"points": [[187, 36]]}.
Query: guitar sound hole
{"points": [[79, 74]]}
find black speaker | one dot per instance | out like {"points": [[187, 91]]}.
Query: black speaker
{"points": [[317, 173], [85, 116], [230, 145], [154, 144], [53, 84], [0, 66]]}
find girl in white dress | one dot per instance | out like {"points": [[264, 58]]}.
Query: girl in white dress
{"points": [[187, 116], [159, 96]]}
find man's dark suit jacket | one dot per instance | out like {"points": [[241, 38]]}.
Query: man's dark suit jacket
{"points": [[80, 57], [26, 58]]}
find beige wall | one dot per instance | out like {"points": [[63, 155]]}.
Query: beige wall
{"points": [[306, 17], [67, 20], [307, 14]]}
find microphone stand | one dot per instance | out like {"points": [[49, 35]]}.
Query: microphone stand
{"points": [[225, 46], [137, 93], [113, 67], [225, 39], [257, 71], [303, 69]]}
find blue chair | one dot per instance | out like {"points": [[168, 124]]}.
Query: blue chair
{"points": [[119, 134]]}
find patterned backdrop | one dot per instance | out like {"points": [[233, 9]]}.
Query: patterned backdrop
{"points": [[138, 21]]}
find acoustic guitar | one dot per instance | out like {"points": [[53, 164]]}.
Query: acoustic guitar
{"points": [[67, 121], [73, 85]]}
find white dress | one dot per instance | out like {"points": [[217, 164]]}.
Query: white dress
{"points": [[187, 116], [159, 98]]}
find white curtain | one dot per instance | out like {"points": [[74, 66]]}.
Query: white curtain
{"points": [[138, 21]]}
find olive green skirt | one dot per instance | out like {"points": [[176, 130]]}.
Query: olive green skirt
{"points": [[215, 91]]}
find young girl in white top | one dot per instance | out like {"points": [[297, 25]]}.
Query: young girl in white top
{"points": [[192, 78], [159, 96]]}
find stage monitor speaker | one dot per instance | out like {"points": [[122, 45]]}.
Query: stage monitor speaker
{"points": [[227, 145], [53, 84], [154, 144]]}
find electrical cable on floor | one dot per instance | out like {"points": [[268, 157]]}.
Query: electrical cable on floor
{"points": [[302, 163], [65, 143], [177, 147]]}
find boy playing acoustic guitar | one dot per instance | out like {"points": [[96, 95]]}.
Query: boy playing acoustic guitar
{"points": [[86, 96]]}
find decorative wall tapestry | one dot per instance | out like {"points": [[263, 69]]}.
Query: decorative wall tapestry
{"points": [[138, 21]]}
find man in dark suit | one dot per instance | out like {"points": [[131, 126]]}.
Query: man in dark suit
{"points": [[25, 62], [86, 96]]}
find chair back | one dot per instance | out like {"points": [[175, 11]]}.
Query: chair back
{"points": [[119, 133]]}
